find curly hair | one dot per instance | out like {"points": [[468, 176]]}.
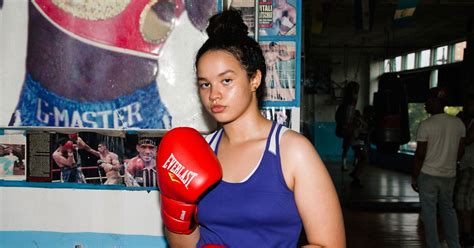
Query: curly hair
{"points": [[228, 32]]}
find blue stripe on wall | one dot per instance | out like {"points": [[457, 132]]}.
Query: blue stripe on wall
{"points": [[57, 185], [38, 239], [328, 145]]}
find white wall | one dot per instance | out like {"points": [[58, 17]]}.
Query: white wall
{"points": [[92, 215]]}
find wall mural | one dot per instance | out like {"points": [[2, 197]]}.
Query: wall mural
{"points": [[110, 64]]}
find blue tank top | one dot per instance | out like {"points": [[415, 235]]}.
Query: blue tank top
{"points": [[258, 212]]}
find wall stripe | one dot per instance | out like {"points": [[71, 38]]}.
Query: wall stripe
{"points": [[77, 240]]}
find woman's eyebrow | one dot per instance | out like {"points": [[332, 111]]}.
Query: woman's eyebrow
{"points": [[220, 74]]}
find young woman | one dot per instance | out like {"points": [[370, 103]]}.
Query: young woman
{"points": [[274, 183]]}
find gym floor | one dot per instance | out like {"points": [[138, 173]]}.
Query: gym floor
{"points": [[383, 213]]}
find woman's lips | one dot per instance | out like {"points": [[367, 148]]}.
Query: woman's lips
{"points": [[217, 109]]}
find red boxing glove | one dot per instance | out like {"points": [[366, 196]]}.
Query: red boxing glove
{"points": [[68, 146], [187, 167], [73, 136]]}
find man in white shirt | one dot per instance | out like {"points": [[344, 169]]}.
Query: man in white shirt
{"points": [[440, 143]]}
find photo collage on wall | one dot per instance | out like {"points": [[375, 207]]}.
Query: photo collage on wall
{"points": [[92, 158], [278, 26], [279, 114], [12, 156]]}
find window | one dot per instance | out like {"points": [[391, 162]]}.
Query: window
{"points": [[398, 63], [410, 63], [434, 78], [459, 51], [441, 55], [386, 65], [425, 58], [416, 114]]}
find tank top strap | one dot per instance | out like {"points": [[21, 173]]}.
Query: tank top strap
{"points": [[273, 145], [214, 138]]}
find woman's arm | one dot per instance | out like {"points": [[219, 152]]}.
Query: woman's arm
{"points": [[315, 195], [182, 240]]}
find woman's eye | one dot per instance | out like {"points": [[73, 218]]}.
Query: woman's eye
{"points": [[204, 85], [227, 81]]}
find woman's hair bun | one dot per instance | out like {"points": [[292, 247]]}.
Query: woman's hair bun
{"points": [[227, 24]]}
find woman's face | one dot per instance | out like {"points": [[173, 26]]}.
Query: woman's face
{"points": [[224, 87]]}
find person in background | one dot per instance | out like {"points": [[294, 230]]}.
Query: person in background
{"points": [[440, 143], [363, 127], [344, 118], [464, 196]]}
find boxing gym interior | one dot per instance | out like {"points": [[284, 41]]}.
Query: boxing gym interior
{"points": [[385, 211], [392, 51], [341, 46]]}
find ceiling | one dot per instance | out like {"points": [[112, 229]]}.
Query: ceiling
{"points": [[435, 22]]}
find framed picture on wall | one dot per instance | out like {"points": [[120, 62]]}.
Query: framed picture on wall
{"points": [[247, 7], [12, 156], [286, 116], [280, 80], [277, 17]]}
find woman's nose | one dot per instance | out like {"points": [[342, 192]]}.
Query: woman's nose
{"points": [[215, 94]]}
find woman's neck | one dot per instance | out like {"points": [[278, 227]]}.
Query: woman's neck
{"points": [[252, 125]]}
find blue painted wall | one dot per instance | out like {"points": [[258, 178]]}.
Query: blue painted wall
{"points": [[329, 147]]}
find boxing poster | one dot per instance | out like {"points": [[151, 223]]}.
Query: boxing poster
{"points": [[288, 117], [280, 79], [12, 156], [247, 8], [277, 17], [102, 64], [92, 158]]}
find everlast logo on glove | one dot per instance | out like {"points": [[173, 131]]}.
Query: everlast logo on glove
{"points": [[177, 170]]}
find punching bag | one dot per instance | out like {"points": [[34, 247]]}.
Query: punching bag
{"points": [[391, 115]]}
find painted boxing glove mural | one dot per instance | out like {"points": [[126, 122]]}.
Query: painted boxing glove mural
{"points": [[95, 64]]}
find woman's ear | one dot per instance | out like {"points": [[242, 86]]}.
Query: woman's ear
{"points": [[256, 80]]}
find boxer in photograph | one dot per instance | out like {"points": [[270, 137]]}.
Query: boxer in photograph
{"points": [[284, 15], [272, 57], [141, 169], [108, 161], [64, 158], [78, 143], [94, 63]]}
